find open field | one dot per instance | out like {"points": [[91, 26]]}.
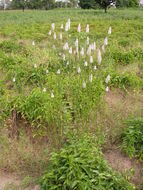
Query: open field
{"points": [[51, 95]]}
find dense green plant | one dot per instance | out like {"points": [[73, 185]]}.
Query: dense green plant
{"points": [[123, 58], [81, 165], [132, 138], [126, 80]]}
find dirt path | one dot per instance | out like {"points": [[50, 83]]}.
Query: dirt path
{"points": [[122, 163], [9, 181]]}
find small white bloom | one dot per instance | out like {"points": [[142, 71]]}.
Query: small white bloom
{"points": [[107, 89], [89, 50], [79, 28], [33, 43], [44, 89], [95, 67], [50, 32], [85, 64], [62, 26], [87, 41], [84, 84], [76, 42], [79, 70], [87, 28], [58, 72], [82, 51], [64, 57], [35, 66], [61, 36], [14, 79], [91, 59], [53, 26], [103, 48], [99, 57], [66, 46], [70, 50], [107, 79], [76, 50], [90, 77], [54, 47], [94, 46], [47, 71], [55, 36], [106, 41], [109, 31], [52, 95], [69, 23]]}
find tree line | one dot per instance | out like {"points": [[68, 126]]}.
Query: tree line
{"points": [[85, 4]]}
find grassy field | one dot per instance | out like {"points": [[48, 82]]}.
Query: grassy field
{"points": [[50, 97]]}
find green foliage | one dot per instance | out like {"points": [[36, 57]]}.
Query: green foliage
{"points": [[87, 4], [81, 165], [95, 3], [126, 80], [129, 3], [123, 58], [132, 138], [133, 3]]}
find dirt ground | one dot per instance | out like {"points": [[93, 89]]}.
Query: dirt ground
{"points": [[120, 162], [9, 181]]}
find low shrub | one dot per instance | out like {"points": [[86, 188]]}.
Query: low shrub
{"points": [[123, 58], [81, 166], [126, 80], [132, 138]]}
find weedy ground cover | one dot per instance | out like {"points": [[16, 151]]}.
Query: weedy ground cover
{"points": [[56, 73]]}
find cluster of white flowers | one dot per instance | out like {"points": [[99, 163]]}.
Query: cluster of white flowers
{"points": [[87, 28], [89, 51], [67, 25], [107, 81]]}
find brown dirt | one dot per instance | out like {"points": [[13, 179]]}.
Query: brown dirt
{"points": [[7, 181], [121, 163]]}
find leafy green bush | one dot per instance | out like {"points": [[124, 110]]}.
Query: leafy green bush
{"points": [[126, 80], [123, 58], [132, 138], [81, 165], [10, 46]]}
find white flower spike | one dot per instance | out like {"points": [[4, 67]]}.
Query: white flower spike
{"points": [[85, 64], [106, 41], [91, 78], [91, 59], [14, 79], [53, 26], [109, 31], [35, 66], [107, 79], [99, 58], [84, 85], [44, 89], [58, 72], [52, 95], [55, 36], [87, 28], [33, 43], [79, 70], [107, 89], [95, 67], [79, 28], [61, 36]]}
